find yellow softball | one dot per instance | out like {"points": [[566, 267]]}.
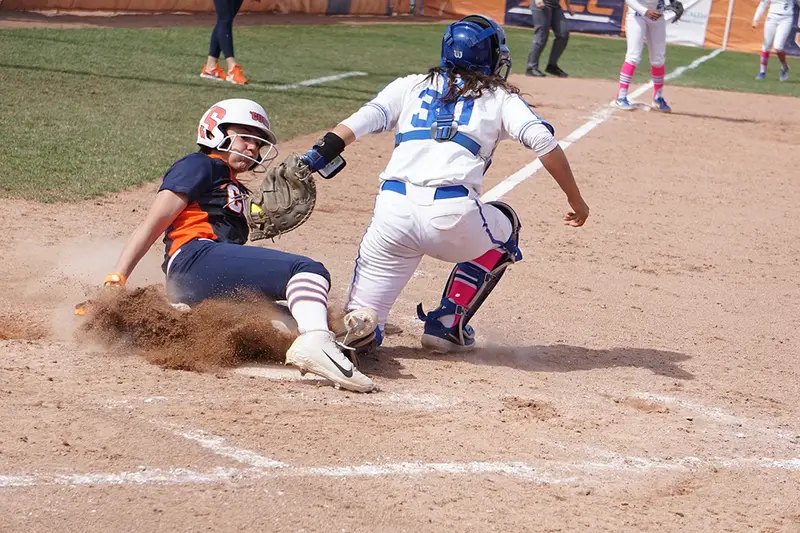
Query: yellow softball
{"points": [[255, 209]]}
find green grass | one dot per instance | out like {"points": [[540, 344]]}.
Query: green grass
{"points": [[95, 110]]}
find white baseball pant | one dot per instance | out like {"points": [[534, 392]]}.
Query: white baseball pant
{"points": [[405, 228], [776, 32], [639, 28]]}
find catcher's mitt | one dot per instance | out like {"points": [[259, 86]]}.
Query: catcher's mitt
{"points": [[283, 201], [676, 7]]}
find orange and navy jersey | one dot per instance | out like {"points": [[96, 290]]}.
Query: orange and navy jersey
{"points": [[216, 207]]}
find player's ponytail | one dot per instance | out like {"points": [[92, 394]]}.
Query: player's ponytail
{"points": [[473, 86]]}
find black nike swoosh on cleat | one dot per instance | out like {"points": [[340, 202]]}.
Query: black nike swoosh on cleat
{"points": [[347, 373]]}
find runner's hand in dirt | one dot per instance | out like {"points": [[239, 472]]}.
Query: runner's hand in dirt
{"points": [[115, 279], [580, 212], [652, 14]]}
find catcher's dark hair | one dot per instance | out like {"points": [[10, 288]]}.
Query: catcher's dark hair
{"points": [[474, 83], [205, 149]]}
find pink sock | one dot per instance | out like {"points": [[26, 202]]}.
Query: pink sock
{"points": [[782, 57], [463, 291], [625, 78], [658, 80], [764, 59]]}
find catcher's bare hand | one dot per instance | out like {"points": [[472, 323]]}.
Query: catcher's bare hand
{"points": [[652, 14], [580, 212]]}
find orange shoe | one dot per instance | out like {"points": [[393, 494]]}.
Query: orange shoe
{"points": [[236, 75], [214, 74]]}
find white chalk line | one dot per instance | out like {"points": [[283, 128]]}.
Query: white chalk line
{"points": [[217, 445], [299, 84], [308, 83], [759, 428], [598, 117], [540, 471], [172, 476], [543, 472]]}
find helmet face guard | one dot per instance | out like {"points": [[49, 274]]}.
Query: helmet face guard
{"points": [[213, 134], [476, 43], [267, 152]]}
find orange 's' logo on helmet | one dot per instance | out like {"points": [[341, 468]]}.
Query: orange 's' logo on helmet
{"points": [[210, 121]]}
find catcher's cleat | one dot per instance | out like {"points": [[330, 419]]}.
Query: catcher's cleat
{"points": [[215, 73], [623, 103], [236, 75], [784, 73], [441, 339], [362, 336], [659, 104], [317, 353]]}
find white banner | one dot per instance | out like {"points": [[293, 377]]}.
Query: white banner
{"points": [[691, 29]]}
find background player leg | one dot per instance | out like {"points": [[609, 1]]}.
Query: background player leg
{"points": [[560, 38], [635, 34], [212, 69], [784, 28], [541, 30], [226, 12], [770, 28], [657, 48]]}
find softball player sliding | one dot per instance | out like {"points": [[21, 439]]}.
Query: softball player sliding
{"points": [[199, 209], [645, 20], [776, 31], [447, 125]]}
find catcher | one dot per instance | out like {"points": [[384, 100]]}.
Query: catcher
{"points": [[207, 216]]}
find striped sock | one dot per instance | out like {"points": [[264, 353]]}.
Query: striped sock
{"points": [[464, 286], [658, 80], [782, 58], [307, 295], [625, 78], [764, 59]]}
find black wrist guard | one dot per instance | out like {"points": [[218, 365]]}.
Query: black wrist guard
{"points": [[330, 146]]}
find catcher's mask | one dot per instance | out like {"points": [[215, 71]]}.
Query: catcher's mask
{"points": [[212, 132], [476, 43]]}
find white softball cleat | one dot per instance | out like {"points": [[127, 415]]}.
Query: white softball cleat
{"points": [[317, 353], [362, 335]]}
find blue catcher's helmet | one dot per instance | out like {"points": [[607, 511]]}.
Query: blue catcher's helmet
{"points": [[476, 43]]}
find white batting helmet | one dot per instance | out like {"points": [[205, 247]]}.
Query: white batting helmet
{"points": [[212, 133]]}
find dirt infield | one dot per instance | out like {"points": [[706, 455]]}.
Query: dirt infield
{"points": [[638, 374]]}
